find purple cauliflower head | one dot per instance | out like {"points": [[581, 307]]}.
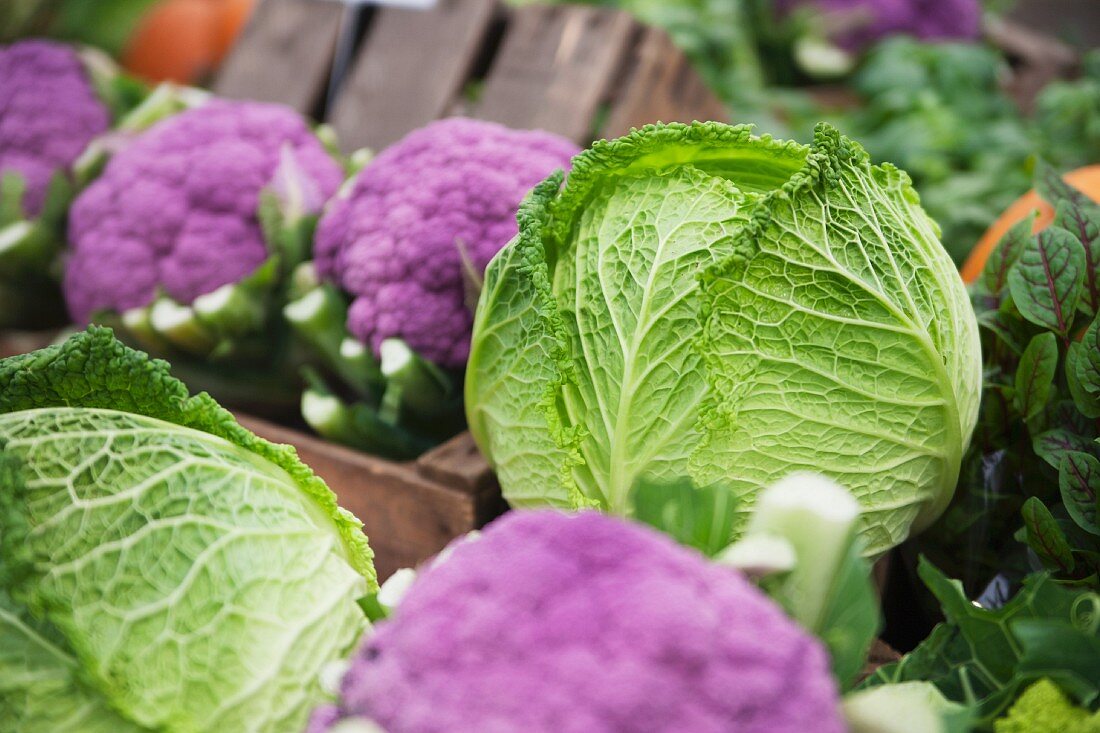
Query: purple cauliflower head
{"points": [[396, 241], [176, 208], [866, 21], [49, 112], [585, 624]]}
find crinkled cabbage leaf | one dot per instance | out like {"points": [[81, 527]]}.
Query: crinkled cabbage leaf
{"points": [[699, 302], [162, 568]]}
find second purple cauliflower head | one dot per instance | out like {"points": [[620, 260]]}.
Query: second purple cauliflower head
{"points": [[395, 241], [49, 112], [585, 624], [176, 209]]}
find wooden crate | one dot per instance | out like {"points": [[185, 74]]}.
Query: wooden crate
{"points": [[410, 511], [579, 71]]}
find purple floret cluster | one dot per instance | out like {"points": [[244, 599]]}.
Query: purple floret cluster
{"points": [[176, 209], [49, 112], [585, 624], [930, 20], [395, 242]]}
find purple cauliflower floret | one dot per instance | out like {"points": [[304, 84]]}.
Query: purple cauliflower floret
{"points": [[585, 624], [176, 209], [929, 20], [394, 242], [49, 112]]}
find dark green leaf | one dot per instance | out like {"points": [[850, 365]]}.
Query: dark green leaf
{"points": [[699, 517], [1046, 282], [1012, 330], [1078, 367], [1035, 375], [1053, 445], [1054, 189], [1045, 537], [1066, 652], [105, 23], [1087, 361], [851, 617], [1083, 222], [974, 657], [1005, 255], [1079, 482]]}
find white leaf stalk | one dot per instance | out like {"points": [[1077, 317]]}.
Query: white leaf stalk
{"points": [[812, 518]]}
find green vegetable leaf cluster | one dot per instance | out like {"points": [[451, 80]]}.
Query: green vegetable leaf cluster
{"points": [[985, 657], [161, 568], [699, 302], [1033, 473]]}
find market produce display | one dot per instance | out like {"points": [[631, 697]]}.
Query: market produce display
{"points": [[754, 426], [585, 623], [187, 238], [696, 301], [51, 108], [162, 568], [400, 255]]}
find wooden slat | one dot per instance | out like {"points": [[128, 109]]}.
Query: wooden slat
{"points": [[555, 66], [284, 54], [406, 517], [660, 85], [413, 66], [458, 463]]}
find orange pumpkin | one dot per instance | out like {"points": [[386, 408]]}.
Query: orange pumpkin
{"points": [[1085, 179], [184, 40]]}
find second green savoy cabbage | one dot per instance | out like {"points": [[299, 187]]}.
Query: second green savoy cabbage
{"points": [[696, 301], [161, 568], [558, 623]]}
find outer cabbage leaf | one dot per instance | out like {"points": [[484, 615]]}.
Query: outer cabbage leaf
{"points": [[41, 685], [699, 302], [200, 576], [840, 339]]}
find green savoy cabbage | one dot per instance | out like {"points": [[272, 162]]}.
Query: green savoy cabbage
{"points": [[696, 301], [161, 568]]}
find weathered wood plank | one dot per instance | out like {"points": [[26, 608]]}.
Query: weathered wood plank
{"points": [[413, 65], [660, 85], [555, 67], [284, 54], [458, 463], [407, 517]]}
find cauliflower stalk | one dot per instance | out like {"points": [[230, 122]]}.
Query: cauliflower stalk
{"points": [[398, 260], [556, 622], [186, 240]]}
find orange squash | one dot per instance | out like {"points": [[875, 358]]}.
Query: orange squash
{"points": [[184, 40], [1085, 179]]}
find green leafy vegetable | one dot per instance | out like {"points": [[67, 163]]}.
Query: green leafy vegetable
{"points": [[162, 563], [984, 657], [699, 302], [1033, 473]]}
